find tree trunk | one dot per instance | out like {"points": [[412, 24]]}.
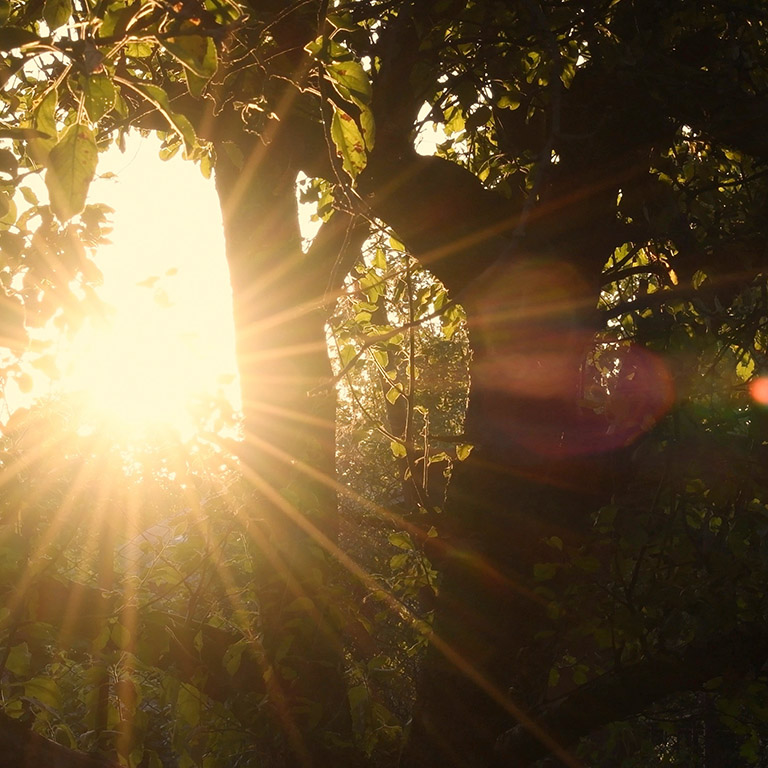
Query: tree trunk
{"points": [[288, 454]]}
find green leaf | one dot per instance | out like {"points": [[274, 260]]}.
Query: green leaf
{"points": [[7, 211], [350, 81], [347, 354], [358, 696], [44, 690], [367, 128], [195, 52], [195, 83], [393, 395], [745, 368], [401, 540], [121, 636], [508, 101], [118, 17], [159, 99], [350, 145], [57, 13], [398, 449], [588, 563], [381, 357], [544, 571], [71, 167], [233, 657], [100, 95], [44, 125], [463, 450], [188, 704], [18, 659]]}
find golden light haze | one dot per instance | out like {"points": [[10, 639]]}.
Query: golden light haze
{"points": [[168, 337]]}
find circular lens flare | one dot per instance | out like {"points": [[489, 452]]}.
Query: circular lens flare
{"points": [[758, 389]]}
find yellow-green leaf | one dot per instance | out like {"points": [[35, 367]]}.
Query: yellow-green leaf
{"points": [[71, 167], [745, 368], [351, 81], [121, 636], [367, 127], [381, 357], [350, 144], [44, 123], [398, 449], [100, 94], [401, 540], [118, 16], [45, 690], [508, 101], [188, 704], [195, 83], [18, 659], [196, 52], [57, 13], [159, 98], [463, 450]]}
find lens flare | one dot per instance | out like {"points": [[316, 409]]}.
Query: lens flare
{"points": [[758, 389]]}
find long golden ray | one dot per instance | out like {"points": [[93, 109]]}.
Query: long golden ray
{"points": [[76, 492], [480, 563], [454, 657]]}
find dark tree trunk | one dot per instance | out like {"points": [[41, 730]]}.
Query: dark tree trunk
{"points": [[288, 455]]}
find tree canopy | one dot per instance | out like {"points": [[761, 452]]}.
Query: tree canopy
{"points": [[501, 494]]}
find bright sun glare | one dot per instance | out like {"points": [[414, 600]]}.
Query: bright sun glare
{"points": [[167, 339]]}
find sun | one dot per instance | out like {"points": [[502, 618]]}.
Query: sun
{"points": [[166, 340], [143, 369]]}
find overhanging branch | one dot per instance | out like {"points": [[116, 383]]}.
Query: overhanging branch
{"points": [[628, 691]]}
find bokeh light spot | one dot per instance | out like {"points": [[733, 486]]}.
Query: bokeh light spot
{"points": [[758, 389]]}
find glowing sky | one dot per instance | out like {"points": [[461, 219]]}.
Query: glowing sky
{"points": [[171, 333]]}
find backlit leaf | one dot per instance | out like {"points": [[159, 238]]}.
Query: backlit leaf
{"points": [[349, 142], [196, 52], [401, 540], [57, 13], [71, 167], [44, 124], [100, 96], [159, 98], [351, 81], [398, 449], [463, 450]]}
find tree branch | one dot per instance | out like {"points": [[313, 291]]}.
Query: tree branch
{"points": [[628, 691], [20, 747]]}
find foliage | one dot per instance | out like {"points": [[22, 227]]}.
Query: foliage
{"points": [[594, 572]]}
